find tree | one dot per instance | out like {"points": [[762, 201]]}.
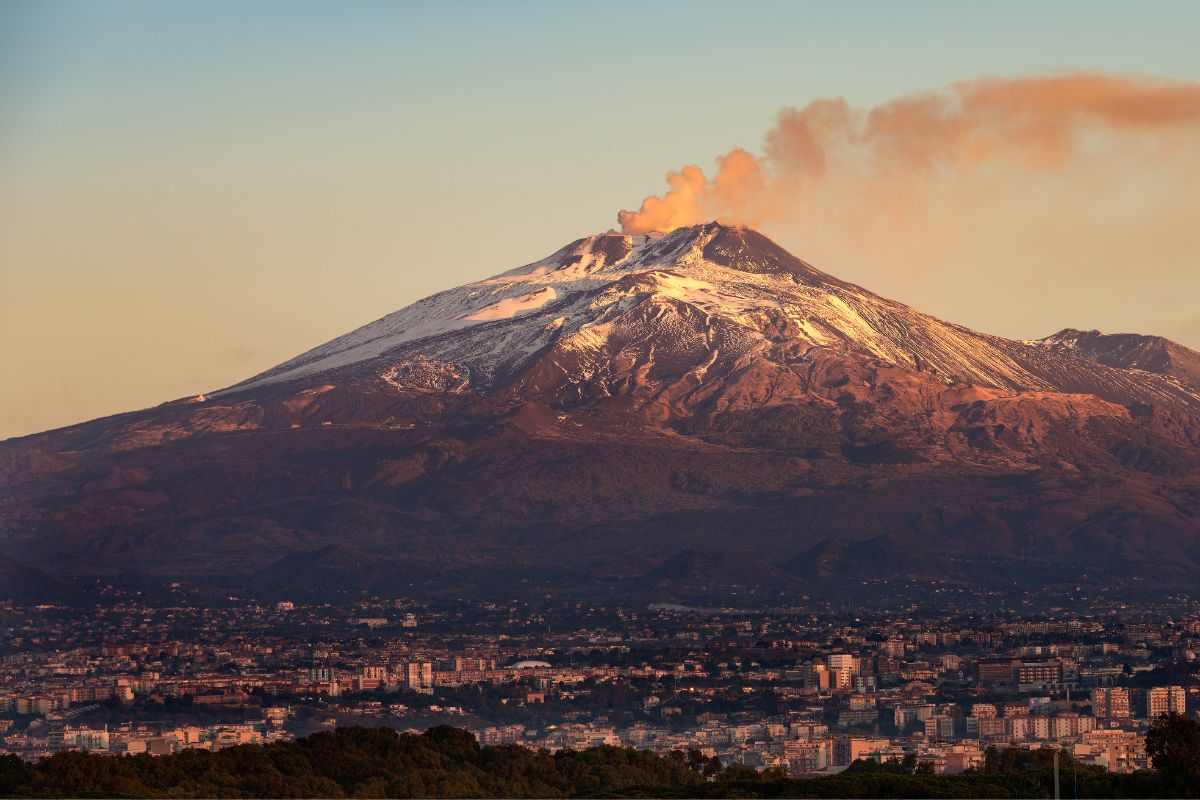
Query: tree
{"points": [[1173, 744], [457, 743], [14, 774]]}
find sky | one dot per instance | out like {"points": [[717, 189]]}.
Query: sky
{"points": [[191, 193]]}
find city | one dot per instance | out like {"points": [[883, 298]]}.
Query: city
{"points": [[807, 691]]}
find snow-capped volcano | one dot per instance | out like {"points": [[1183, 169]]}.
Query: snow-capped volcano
{"points": [[699, 297], [632, 413], [580, 296]]}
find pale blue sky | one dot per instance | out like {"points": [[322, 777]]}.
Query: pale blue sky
{"points": [[193, 192]]}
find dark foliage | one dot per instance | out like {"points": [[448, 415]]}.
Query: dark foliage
{"points": [[448, 762], [352, 762], [1173, 743]]}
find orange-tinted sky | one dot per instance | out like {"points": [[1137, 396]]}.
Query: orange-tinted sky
{"points": [[190, 194]]}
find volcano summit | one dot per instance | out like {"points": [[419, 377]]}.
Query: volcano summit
{"points": [[696, 415]]}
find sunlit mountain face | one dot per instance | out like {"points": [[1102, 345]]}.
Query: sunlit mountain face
{"points": [[679, 415]]}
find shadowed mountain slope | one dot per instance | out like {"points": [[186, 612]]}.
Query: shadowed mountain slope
{"points": [[686, 412]]}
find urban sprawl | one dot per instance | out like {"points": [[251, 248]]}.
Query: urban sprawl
{"points": [[808, 690]]}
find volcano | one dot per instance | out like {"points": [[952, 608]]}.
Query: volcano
{"points": [[643, 414]]}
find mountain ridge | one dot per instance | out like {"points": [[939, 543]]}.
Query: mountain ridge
{"points": [[566, 300], [1155, 354], [637, 399]]}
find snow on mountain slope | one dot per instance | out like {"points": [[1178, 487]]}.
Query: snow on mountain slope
{"points": [[512, 306], [599, 297]]}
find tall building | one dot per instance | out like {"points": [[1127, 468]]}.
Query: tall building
{"points": [[804, 757], [1166, 700], [1070, 724], [844, 750], [79, 738], [842, 668], [995, 671], [370, 677], [418, 674], [319, 674], [940, 726], [1033, 676], [1110, 702]]}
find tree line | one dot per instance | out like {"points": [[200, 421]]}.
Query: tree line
{"points": [[449, 762]]}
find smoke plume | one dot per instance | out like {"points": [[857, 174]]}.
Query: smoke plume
{"points": [[937, 154]]}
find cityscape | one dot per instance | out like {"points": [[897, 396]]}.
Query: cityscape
{"points": [[805, 690]]}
